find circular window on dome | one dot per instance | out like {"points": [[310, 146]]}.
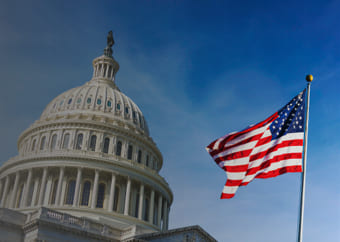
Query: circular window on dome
{"points": [[88, 100], [126, 109], [99, 101], [118, 106], [134, 114], [79, 100], [109, 104], [69, 101]]}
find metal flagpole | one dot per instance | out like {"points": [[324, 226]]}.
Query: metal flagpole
{"points": [[309, 79]]}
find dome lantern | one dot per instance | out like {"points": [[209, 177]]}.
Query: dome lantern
{"points": [[105, 67]]}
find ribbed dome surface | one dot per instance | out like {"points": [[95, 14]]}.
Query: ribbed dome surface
{"points": [[96, 98]]}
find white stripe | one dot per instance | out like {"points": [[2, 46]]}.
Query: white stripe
{"points": [[274, 166], [246, 136], [230, 189], [290, 136], [247, 146], [281, 151], [236, 175], [235, 162]]}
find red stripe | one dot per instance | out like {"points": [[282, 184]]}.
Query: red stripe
{"points": [[296, 142], [233, 183], [280, 171], [234, 156], [239, 168], [227, 195], [277, 172], [235, 135], [252, 138], [275, 159], [264, 141]]}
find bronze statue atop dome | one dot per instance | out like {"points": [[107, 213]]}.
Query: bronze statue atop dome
{"points": [[110, 40]]}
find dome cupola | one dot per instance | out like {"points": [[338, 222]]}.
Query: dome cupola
{"points": [[105, 67]]}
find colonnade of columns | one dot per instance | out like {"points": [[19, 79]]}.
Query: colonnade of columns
{"points": [[51, 186]]}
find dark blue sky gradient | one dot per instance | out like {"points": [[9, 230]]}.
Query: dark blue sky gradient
{"points": [[197, 70]]}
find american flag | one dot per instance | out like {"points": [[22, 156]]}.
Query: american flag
{"points": [[267, 149]]}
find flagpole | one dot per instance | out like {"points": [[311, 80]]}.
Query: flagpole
{"points": [[309, 79]]}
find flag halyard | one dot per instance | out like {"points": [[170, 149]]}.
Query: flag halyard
{"points": [[270, 148]]}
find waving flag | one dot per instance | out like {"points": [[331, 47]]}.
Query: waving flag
{"points": [[267, 149]]}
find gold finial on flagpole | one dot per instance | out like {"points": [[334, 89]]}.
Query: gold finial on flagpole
{"points": [[309, 78]]}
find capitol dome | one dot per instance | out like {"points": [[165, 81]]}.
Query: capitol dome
{"points": [[90, 155]]}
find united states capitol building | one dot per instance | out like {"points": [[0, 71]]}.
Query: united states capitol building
{"points": [[88, 170]]}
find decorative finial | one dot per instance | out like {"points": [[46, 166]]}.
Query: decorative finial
{"points": [[309, 78], [110, 41]]}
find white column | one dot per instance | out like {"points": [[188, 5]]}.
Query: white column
{"points": [[141, 199], [152, 204], [62, 195], [48, 190], [27, 188], [86, 141], [127, 197], [76, 191], [160, 200], [35, 192], [165, 215], [95, 189], [15, 189], [99, 142], [42, 187], [112, 192], [112, 142], [60, 180], [4, 193]]}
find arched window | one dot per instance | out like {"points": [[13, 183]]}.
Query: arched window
{"points": [[33, 145], [139, 158], [93, 141], [147, 160], [146, 209], [70, 192], [119, 148], [86, 193], [79, 143], [42, 143], [66, 141], [106, 145], [130, 149], [54, 192], [101, 195], [54, 141], [116, 199]]}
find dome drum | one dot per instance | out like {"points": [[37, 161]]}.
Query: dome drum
{"points": [[86, 192]]}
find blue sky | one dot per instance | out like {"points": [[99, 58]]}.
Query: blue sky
{"points": [[197, 70]]}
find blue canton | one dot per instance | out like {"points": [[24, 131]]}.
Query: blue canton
{"points": [[291, 117]]}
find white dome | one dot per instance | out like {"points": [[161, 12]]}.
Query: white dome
{"points": [[97, 99]]}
